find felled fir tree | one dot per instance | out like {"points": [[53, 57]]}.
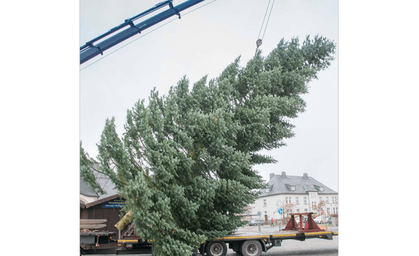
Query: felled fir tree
{"points": [[185, 162]]}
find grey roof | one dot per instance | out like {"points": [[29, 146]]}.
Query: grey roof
{"points": [[104, 182], [107, 186], [85, 188], [283, 184]]}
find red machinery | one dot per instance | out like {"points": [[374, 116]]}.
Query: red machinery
{"points": [[310, 225]]}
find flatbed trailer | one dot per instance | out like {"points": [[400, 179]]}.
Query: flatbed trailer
{"points": [[247, 242], [253, 244], [243, 243]]}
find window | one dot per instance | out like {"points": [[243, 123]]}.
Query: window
{"points": [[298, 210], [327, 199], [296, 200], [313, 195], [264, 203], [288, 200], [320, 198], [305, 200]]}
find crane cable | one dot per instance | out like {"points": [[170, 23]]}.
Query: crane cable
{"points": [[259, 40]]}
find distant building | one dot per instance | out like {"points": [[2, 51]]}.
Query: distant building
{"points": [[295, 194], [105, 206]]}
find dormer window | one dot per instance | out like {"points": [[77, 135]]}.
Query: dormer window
{"points": [[290, 187], [319, 188], [268, 189]]}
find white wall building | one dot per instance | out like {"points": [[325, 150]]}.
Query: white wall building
{"points": [[295, 194]]}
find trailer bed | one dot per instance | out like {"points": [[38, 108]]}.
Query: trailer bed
{"points": [[248, 239], [240, 235]]}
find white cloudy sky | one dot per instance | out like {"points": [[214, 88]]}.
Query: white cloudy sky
{"points": [[203, 42]]}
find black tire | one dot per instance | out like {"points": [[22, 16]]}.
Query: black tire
{"points": [[202, 249], [251, 248], [216, 249]]}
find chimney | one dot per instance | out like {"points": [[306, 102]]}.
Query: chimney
{"points": [[305, 176], [271, 175], [283, 175]]}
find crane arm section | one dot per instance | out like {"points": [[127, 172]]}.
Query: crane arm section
{"points": [[89, 50]]}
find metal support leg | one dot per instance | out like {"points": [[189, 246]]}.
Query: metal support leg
{"points": [[301, 222]]}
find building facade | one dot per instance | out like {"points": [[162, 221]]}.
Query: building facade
{"points": [[294, 194], [104, 206]]}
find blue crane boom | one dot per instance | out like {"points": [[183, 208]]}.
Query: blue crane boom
{"points": [[90, 50]]}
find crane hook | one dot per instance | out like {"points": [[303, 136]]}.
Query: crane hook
{"points": [[258, 43]]}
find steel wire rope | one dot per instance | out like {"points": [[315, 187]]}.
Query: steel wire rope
{"points": [[268, 19], [264, 17]]}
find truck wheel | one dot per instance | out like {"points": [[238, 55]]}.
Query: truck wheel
{"points": [[251, 248], [216, 249]]}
